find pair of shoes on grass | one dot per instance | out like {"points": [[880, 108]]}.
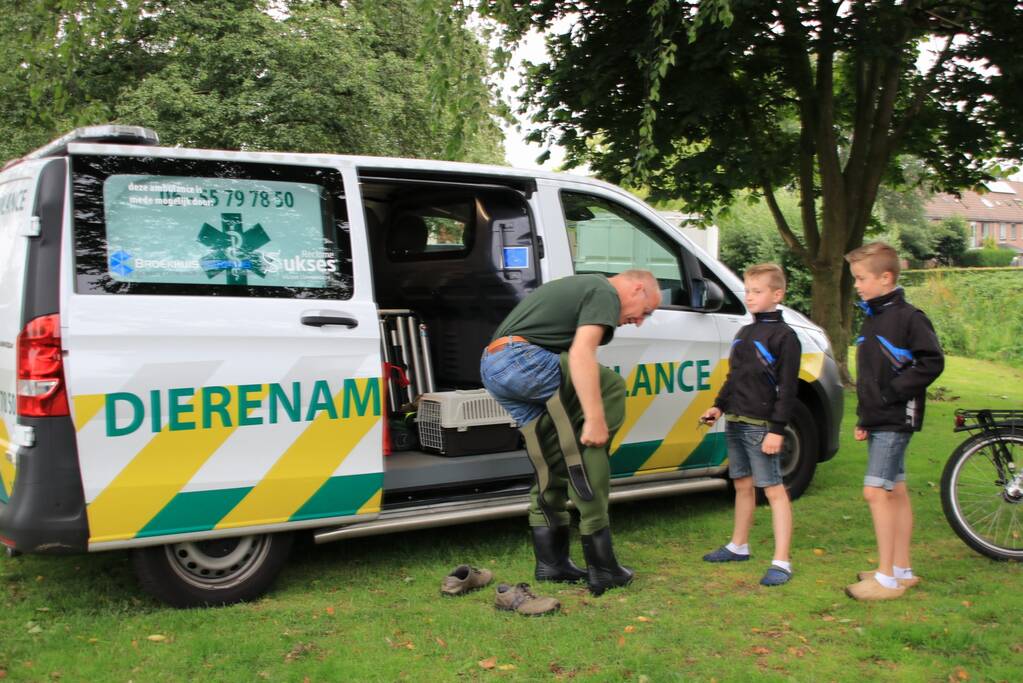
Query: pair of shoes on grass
{"points": [[869, 589], [518, 598], [774, 576]]}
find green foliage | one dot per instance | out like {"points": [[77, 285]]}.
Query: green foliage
{"points": [[356, 77], [951, 241], [988, 257], [916, 241], [974, 313], [747, 235]]}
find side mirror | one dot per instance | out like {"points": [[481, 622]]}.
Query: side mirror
{"points": [[707, 295]]}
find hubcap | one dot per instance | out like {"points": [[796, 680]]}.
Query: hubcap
{"points": [[219, 563], [790, 452]]}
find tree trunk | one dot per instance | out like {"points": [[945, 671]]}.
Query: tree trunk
{"points": [[829, 307]]}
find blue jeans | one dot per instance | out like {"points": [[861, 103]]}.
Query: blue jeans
{"points": [[521, 376], [745, 457], [886, 459]]}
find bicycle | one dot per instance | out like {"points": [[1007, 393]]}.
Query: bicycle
{"points": [[982, 486]]}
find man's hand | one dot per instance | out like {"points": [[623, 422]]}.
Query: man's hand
{"points": [[860, 433], [711, 416], [772, 443], [594, 432]]}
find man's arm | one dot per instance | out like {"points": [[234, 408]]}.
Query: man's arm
{"points": [[582, 364]]}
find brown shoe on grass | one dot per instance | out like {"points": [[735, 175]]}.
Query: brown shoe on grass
{"points": [[870, 589], [465, 579], [905, 583], [519, 598]]}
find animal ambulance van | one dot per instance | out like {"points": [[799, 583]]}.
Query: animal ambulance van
{"points": [[204, 352]]}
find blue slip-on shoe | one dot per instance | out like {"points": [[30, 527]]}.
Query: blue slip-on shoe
{"points": [[723, 554], [775, 576]]}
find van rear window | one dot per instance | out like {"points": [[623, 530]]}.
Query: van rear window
{"points": [[181, 226]]}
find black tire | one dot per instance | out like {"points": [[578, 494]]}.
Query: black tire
{"points": [[799, 453], [215, 572], [986, 515]]}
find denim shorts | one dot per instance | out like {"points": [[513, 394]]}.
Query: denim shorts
{"points": [[886, 459], [745, 457], [521, 376]]}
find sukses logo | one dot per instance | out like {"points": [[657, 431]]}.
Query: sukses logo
{"points": [[234, 250]]}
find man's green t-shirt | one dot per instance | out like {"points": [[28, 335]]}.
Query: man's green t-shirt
{"points": [[549, 316]]}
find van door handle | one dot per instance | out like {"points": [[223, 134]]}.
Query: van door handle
{"points": [[321, 320]]}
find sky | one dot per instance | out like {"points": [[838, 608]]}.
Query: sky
{"points": [[518, 152]]}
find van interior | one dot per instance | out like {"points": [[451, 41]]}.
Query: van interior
{"points": [[449, 251]]}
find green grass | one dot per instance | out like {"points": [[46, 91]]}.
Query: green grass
{"points": [[369, 609]]}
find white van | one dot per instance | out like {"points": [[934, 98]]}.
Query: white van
{"points": [[192, 346]]}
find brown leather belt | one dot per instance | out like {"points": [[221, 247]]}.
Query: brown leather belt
{"points": [[500, 343]]}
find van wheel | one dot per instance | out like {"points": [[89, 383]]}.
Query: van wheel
{"points": [[799, 453], [219, 571]]}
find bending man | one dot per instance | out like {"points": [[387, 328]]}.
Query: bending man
{"points": [[542, 367]]}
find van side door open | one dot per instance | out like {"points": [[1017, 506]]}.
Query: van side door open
{"points": [[222, 346]]}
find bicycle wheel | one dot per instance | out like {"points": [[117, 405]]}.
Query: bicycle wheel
{"points": [[983, 505]]}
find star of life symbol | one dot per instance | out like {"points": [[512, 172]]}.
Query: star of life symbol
{"points": [[120, 263], [234, 250]]}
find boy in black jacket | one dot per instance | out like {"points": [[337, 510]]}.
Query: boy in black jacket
{"points": [[758, 397], [897, 357]]}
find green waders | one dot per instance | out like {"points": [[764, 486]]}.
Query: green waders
{"points": [[565, 469]]}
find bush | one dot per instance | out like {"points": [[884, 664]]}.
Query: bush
{"points": [[974, 313], [748, 235], [988, 257], [951, 241]]}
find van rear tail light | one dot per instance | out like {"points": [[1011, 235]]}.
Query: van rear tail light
{"points": [[41, 389]]}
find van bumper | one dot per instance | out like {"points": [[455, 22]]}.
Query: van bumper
{"points": [[45, 512]]}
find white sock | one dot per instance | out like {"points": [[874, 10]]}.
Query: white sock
{"points": [[782, 564], [738, 549], [903, 572], [885, 580]]}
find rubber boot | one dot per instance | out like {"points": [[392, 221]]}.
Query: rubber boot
{"points": [[550, 545], [602, 568]]}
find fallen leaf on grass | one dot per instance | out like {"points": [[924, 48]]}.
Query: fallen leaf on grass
{"points": [[505, 667], [967, 603], [760, 650], [827, 617], [960, 674], [621, 641], [820, 552], [630, 628], [644, 619], [3, 673], [441, 642], [488, 663], [329, 611], [156, 638]]}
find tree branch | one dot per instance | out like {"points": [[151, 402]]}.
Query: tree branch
{"points": [[783, 225], [922, 89]]}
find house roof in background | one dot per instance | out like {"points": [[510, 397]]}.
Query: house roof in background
{"points": [[1002, 203]]}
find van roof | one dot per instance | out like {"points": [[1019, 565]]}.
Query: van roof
{"points": [[120, 139]]}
